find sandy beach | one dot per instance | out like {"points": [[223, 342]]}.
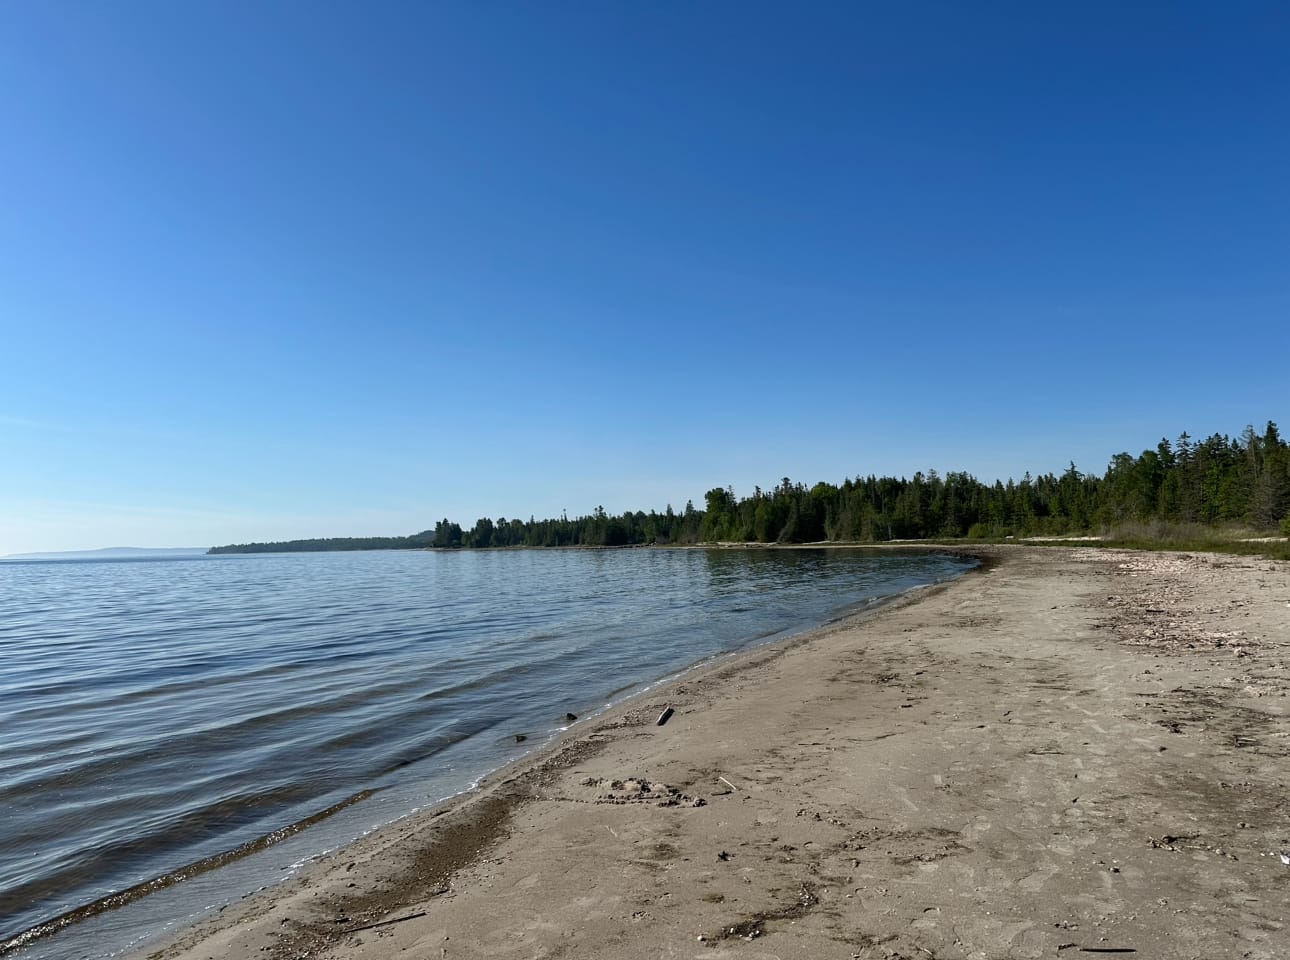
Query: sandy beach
{"points": [[1067, 752]]}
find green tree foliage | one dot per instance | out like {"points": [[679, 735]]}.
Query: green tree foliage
{"points": [[415, 541], [447, 534], [1218, 480]]}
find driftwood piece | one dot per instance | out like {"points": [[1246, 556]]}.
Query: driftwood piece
{"points": [[385, 923], [665, 716]]}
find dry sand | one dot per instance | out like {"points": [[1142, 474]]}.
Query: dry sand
{"points": [[1071, 752]]}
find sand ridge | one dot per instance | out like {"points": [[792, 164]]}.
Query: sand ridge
{"points": [[1072, 752]]}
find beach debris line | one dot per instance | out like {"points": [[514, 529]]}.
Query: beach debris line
{"points": [[665, 716], [752, 927]]}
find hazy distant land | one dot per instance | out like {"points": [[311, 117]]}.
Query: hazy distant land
{"points": [[111, 553]]}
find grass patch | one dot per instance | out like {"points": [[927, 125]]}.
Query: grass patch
{"points": [[1279, 550], [1183, 537]]}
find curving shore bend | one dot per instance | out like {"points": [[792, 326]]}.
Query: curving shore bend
{"points": [[1067, 752]]}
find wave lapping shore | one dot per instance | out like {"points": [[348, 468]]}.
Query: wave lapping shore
{"points": [[1073, 750]]}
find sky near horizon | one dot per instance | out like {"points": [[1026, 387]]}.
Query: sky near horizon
{"points": [[284, 269]]}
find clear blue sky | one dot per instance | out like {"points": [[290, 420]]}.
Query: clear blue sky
{"points": [[278, 269]]}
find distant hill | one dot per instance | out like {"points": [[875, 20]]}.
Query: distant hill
{"points": [[111, 553]]}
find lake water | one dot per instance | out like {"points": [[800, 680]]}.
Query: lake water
{"points": [[155, 713]]}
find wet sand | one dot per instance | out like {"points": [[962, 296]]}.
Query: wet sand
{"points": [[1069, 752]]}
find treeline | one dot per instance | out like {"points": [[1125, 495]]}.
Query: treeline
{"points": [[416, 541], [600, 529], [1238, 480]]}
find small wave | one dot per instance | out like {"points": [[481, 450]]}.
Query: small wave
{"points": [[120, 898]]}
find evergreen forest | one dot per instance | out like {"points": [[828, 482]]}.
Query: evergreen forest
{"points": [[1232, 481]]}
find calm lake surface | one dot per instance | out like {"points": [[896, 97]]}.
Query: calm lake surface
{"points": [[154, 713]]}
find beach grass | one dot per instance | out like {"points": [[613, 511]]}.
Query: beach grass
{"points": [[1161, 535]]}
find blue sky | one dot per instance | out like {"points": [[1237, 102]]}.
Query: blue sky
{"points": [[279, 269]]}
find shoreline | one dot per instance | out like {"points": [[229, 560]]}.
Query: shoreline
{"points": [[41, 937], [441, 864], [543, 755]]}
